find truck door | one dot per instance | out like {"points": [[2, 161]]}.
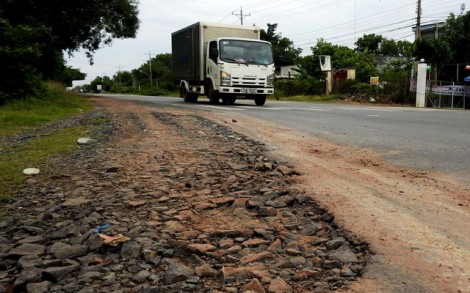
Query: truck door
{"points": [[212, 70]]}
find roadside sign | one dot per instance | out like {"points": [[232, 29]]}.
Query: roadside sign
{"points": [[374, 80]]}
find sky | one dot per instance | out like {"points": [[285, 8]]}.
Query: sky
{"points": [[340, 22]]}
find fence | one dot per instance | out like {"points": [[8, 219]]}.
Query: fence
{"points": [[442, 94]]}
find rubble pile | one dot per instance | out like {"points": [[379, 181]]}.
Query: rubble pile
{"points": [[181, 205]]}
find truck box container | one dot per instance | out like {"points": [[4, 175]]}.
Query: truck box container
{"points": [[189, 46]]}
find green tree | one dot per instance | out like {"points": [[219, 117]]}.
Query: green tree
{"points": [[395, 79], [20, 53], [105, 81], [452, 46], [434, 51], [283, 48], [79, 24], [345, 57], [369, 43], [163, 71], [388, 47], [456, 34], [125, 78], [309, 67], [311, 63], [138, 79], [69, 75], [405, 48], [162, 76], [34, 35]]}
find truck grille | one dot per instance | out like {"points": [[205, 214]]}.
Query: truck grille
{"points": [[248, 81]]}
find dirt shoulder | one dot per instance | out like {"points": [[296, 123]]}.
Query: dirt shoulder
{"points": [[231, 204], [168, 201], [416, 222]]}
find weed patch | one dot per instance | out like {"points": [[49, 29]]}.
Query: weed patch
{"points": [[20, 115], [33, 154], [23, 116]]}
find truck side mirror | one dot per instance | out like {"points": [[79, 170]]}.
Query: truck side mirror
{"points": [[214, 53]]}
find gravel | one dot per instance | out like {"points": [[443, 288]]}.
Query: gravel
{"points": [[170, 203]]}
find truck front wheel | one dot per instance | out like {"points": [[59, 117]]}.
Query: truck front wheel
{"points": [[260, 100], [212, 94], [187, 96]]}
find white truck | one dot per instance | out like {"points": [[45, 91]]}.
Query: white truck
{"points": [[223, 62]]}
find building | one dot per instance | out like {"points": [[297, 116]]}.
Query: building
{"points": [[430, 31], [287, 72]]}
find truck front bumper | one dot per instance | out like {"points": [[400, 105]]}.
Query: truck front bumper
{"points": [[246, 90]]}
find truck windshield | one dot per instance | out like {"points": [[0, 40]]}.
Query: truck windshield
{"points": [[246, 52]]}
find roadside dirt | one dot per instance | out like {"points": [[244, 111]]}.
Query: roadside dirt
{"points": [[168, 201], [418, 223]]}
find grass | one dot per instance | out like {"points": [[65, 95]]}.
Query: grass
{"points": [[20, 116], [309, 98], [57, 104], [33, 154]]}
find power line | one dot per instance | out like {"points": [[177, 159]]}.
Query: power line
{"points": [[371, 26], [295, 8], [260, 3], [369, 20], [225, 17], [348, 34]]}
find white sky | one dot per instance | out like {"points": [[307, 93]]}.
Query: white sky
{"points": [[302, 21]]}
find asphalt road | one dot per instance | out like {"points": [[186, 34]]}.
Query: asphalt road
{"points": [[424, 139]]}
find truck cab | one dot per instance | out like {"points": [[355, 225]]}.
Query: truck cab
{"points": [[239, 68]]}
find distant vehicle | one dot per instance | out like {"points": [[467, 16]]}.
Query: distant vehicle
{"points": [[223, 62]]}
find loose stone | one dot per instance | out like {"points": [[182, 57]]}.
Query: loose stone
{"points": [[190, 205]]}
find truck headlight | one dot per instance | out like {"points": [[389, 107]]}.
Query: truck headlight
{"points": [[225, 78], [270, 80]]}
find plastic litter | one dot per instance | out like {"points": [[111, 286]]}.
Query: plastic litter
{"points": [[86, 140], [100, 228], [31, 171]]}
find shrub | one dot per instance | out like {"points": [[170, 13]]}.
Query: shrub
{"points": [[296, 87], [396, 87]]}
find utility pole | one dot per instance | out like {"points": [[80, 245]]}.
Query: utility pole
{"points": [[418, 20], [119, 72], [241, 15], [150, 63]]}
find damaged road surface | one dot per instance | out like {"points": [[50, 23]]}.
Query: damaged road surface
{"points": [[194, 201], [167, 201]]}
